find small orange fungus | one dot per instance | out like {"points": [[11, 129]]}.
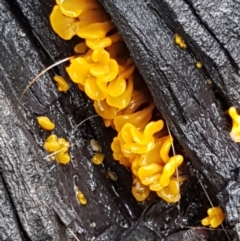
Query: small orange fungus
{"points": [[215, 217], [198, 65], [111, 175], [140, 192], [45, 123], [61, 83], [98, 158], [81, 197], [62, 156], [235, 132], [53, 158], [179, 41], [81, 48], [51, 146]]}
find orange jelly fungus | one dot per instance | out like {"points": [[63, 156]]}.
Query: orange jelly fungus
{"points": [[215, 217], [235, 132], [98, 158], [139, 191], [81, 197], [64, 26], [81, 48], [179, 41], [60, 146], [106, 73], [45, 123], [61, 83]]}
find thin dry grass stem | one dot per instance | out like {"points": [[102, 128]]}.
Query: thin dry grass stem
{"points": [[52, 167], [45, 204], [174, 153], [75, 128], [52, 154], [42, 73], [74, 235]]}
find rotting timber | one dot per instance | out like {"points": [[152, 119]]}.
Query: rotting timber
{"points": [[38, 203]]}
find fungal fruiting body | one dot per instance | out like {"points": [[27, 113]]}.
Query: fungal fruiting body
{"points": [[111, 175], [95, 146], [58, 146], [106, 73], [98, 158], [62, 84], [45, 123], [198, 64], [215, 217], [80, 197], [148, 157], [53, 144], [179, 41], [93, 224], [235, 132]]}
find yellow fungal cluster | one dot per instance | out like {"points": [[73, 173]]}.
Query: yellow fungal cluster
{"points": [[60, 147], [148, 157], [215, 217], [62, 84], [106, 73], [53, 144], [179, 41], [235, 132]]}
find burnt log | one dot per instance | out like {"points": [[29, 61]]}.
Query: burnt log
{"points": [[37, 197]]}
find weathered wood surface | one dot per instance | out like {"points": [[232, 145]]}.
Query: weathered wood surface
{"points": [[38, 202]]}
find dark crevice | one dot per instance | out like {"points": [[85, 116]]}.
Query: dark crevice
{"points": [[230, 58], [23, 233]]}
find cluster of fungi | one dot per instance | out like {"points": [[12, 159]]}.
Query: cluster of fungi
{"points": [[104, 70], [106, 73]]}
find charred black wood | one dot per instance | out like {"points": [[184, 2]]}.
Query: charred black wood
{"points": [[198, 235], [10, 230], [42, 193], [42, 202]]}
